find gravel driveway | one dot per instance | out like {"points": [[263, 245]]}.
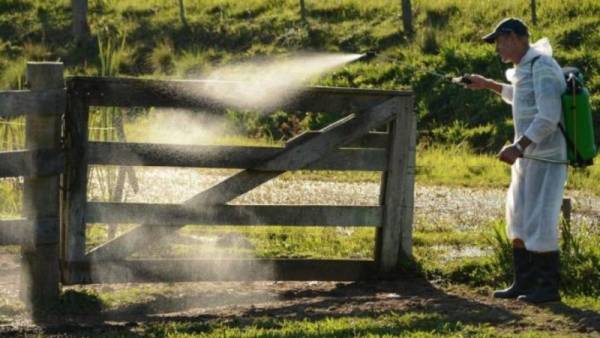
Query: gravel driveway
{"points": [[464, 207]]}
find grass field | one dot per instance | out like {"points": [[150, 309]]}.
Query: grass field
{"points": [[147, 38]]}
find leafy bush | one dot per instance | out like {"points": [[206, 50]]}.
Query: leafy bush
{"points": [[162, 58]]}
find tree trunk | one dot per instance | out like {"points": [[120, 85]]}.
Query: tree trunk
{"points": [[182, 13], [533, 13], [303, 10], [407, 18], [81, 29]]}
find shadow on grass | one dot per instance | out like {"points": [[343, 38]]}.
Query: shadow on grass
{"points": [[208, 309], [587, 320]]}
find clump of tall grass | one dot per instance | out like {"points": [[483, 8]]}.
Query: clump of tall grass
{"points": [[36, 52], [112, 50], [579, 255], [502, 249], [580, 261], [196, 63], [162, 58]]}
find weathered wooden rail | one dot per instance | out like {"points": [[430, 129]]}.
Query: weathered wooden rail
{"points": [[348, 144]]}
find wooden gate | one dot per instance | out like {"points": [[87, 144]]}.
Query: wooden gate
{"points": [[347, 144]]}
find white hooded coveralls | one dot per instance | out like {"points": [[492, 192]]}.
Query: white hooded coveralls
{"points": [[536, 190]]}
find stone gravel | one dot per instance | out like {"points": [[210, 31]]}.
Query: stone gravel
{"points": [[460, 207]]}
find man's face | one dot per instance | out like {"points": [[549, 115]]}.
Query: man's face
{"points": [[506, 47]]}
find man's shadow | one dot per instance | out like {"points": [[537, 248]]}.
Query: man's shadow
{"points": [[587, 320]]}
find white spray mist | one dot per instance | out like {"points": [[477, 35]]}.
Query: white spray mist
{"points": [[176, 126], [264, 84]]}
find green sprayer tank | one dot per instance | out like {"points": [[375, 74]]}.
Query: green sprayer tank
{"points": [[579, 127]]}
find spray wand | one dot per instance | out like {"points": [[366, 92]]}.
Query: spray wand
{"points": [[462, 80]]}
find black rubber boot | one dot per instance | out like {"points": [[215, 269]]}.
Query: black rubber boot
{"points": [[547, 269], [523, 276]]}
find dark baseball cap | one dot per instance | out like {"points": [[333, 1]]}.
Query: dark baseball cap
{"points": [[505, 26]]}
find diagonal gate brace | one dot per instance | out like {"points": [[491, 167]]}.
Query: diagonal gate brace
{"points": [[295, 156]]}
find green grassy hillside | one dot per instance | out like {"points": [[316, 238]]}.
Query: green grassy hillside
{"points": [[147, 38]]}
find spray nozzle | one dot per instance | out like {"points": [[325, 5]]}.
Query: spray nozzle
{"points": [[367, 56], [461, 80]]}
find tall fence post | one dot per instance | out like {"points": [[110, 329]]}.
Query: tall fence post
{"points": [[394, 237], [41, 203], [76, 179]]}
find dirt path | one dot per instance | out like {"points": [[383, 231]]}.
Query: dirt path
{"points": [[241, 304]]}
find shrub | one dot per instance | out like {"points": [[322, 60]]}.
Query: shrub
{"points": [[162, 58]]}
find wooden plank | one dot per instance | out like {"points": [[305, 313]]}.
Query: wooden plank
{"points": [[370, 140], [180, 270], [133, 92], [32, 102], [408, 193], [114, 153], [295, 157], [373, 139], [335, 100], [22, 232], [76, 176], [41, 197], [12, 232], [43, 162], [305, 215], [203, 95], [393, 235]]}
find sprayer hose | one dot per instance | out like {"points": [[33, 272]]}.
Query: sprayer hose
{"points": [[542, 159]]}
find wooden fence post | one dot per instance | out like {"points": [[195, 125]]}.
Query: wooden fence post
{"points": [[394, 237], [41, 202], [76, 179], [408, 194]]}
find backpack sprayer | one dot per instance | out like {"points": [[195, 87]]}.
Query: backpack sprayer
{"points": [[579, 125], [578, 128]]}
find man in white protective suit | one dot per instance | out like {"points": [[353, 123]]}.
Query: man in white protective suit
{"points": [[536, 190]]}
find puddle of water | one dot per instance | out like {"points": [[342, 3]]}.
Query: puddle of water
{"points": [[454, 253]]}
